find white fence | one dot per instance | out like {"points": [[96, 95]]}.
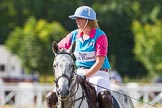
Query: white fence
{"points": [[24, 95], [27, 95], [145, 95]]}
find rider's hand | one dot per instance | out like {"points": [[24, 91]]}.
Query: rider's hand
{"points": [[81, 78]]}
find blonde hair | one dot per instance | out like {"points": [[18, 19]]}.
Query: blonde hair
{"points": [[92, 24]]}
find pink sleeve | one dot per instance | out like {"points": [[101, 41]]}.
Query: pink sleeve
{"points": [[102, 45], [65, 42]]}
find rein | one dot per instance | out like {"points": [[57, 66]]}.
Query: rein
{"points": [[71, 89], [83, 94]]}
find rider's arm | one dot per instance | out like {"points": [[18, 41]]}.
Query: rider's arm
{"points": [[98, 64], [65, 42], [101, 53]]}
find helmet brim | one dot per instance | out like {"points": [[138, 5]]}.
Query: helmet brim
{"points": [[74, 17]]}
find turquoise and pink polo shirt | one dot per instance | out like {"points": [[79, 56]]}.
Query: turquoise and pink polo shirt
{"points": [[86, 51]]}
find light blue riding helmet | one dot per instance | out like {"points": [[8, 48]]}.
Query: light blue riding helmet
{"points": [[84, 12]]}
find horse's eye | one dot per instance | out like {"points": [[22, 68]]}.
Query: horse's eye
{"points": [[54, 65]]}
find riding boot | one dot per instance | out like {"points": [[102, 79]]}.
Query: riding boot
{"points": [[105, 99], [51, 99]]}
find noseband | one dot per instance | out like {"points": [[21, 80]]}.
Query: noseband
{"points": [[63, 75]]}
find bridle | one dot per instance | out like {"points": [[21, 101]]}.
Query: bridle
{"points": [[72, 83], [64, 75]]}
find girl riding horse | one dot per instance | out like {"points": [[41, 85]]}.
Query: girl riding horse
{"points": [[90, 53]]}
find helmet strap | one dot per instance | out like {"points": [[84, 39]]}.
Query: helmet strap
{"points": [[85, 25]]}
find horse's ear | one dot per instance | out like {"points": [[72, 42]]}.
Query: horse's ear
{"points": [[55, 48], [72, 48]]}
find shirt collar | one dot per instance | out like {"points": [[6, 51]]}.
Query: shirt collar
{"points": [[91, 35]]}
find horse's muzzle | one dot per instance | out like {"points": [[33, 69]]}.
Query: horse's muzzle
{"points": [[62, 93]]}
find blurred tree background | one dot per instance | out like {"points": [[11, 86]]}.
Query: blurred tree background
{"points": [[134, 29]]}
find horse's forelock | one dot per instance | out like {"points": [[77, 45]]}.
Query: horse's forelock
{"points": [[63, 50], [63, 58]]}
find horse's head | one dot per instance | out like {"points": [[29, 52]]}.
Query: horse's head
{"points": [[63, 66]]}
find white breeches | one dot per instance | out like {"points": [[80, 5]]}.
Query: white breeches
{"points": [[100, 78]]}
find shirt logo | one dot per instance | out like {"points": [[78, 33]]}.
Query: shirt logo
{"points": [[85, 56], [82, 56], [92, 43]]}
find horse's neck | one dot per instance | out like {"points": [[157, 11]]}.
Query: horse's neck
{"points": [[76, 89], [79, 100]]}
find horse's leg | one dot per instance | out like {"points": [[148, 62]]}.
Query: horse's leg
{"points": [[51, 99], [105, 99]]}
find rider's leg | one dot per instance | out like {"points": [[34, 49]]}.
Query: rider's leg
{"points": [[51, 99], [105, 99], [101, 78]]}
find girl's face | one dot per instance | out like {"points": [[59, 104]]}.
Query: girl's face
{"points": [[80, 22]]}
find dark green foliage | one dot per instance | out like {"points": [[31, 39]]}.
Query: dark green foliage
{"points": [[115, 17], [33, 44]]}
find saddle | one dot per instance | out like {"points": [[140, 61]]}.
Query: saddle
{"points": [[90, 94]]}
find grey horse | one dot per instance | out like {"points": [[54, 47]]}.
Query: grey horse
{"points": [[69, 92]]}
